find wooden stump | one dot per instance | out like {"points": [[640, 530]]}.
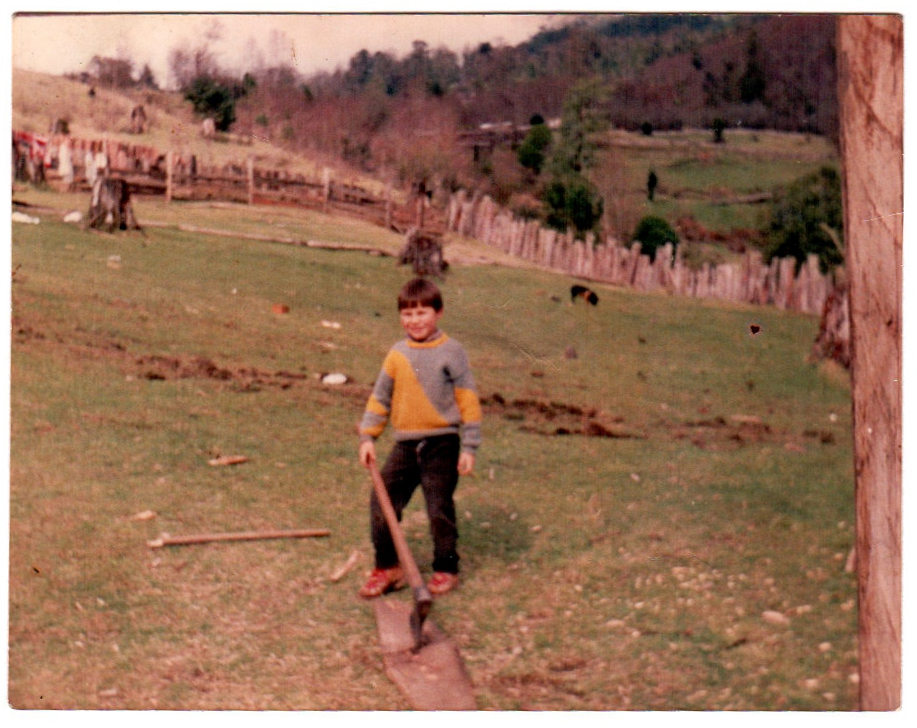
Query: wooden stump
{"points": [[423, 251]]}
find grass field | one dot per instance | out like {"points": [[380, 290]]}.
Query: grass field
{"points": [[707, 181], [658, 523]]}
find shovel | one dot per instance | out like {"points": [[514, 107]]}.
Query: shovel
{"points": [[422, 597]]}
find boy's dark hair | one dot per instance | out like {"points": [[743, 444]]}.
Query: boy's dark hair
{"points": [[420, 292]]}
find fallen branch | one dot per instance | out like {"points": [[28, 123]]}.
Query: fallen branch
{"points": [[228, 460], [167, 540], [342, 572]]}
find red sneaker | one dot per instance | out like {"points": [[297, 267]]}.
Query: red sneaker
{"points": [[382, 581], [442, 582]]}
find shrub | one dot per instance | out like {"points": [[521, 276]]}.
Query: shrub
{"points": [[807, 218], [652, 233], [214, 99], [719, 126], [532, 152], [572, 203]]}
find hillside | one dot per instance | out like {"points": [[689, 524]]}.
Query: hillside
{"points": [[39, 100], [673, 70], [394, 121], [791, 85]]}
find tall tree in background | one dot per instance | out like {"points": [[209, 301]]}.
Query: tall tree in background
{"points": [[188, 64], [584, 115], [753, 81], [533, 151], [112, 72], [147, 79], [807, 218], [572, 200]]}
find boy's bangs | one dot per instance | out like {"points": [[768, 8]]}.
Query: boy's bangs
{"points": [[420, 292]]}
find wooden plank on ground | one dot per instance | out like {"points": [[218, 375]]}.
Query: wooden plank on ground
{"points": [[432, 679]]}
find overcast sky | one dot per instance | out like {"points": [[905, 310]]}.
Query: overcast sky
{"points": [[66, 43]]}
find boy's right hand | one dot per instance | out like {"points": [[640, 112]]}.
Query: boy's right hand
{"points": [[367, 453]]}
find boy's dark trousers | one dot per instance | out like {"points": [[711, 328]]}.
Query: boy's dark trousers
{"points": [[431, 463]]}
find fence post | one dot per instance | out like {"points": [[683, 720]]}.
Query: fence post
{"points": [[326, 188], [250, 178], [388, 206], [871, 72], [170, 165]]}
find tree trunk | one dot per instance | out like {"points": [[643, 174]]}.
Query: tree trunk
{"points": [[872, 118]]}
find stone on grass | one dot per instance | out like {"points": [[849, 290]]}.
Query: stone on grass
{"points": [[773, 617]]}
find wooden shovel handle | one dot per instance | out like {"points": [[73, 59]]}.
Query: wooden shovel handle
{"points": [[405, 557]]}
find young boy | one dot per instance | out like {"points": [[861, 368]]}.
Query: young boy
{"points": [[427, 391]]}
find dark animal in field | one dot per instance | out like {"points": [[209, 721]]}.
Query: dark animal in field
{"points": [[586, 294], [111, 205]]}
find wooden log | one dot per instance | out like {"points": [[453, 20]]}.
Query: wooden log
{"points": [[167, 540], [871, 87]]}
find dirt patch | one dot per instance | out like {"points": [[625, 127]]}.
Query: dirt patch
{"points": [[84, 345], [538, 417], [249, 379], [720, 433], [737, 240], [557, 418]]}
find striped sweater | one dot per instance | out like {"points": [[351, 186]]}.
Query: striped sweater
{"points": [[425, 388]]}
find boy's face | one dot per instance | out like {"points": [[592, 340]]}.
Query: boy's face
{"points": [[420, 322]]}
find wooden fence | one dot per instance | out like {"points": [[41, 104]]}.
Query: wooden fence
{"points": [[750, 281], [183, 177]]}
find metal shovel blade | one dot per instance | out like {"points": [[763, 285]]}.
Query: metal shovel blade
{"points": [[422, 603], [433, 678]]}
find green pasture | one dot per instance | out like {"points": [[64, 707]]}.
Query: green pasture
{"points": [[707, 181], [659, 518]]}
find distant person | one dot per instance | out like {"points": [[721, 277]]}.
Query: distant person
{"points": [[427, 391], [651, 183]]}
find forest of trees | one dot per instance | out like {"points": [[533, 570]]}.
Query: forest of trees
{"points": [[408, 119]]}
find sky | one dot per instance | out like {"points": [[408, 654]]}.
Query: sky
{"points": [[308, 42]]}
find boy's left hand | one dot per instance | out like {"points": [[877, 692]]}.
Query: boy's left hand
{"points": [[466, 463]]}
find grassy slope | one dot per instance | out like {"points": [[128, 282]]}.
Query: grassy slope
{"points": [[698, 177], [695, 175], [600, 573], [40, 99]]}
